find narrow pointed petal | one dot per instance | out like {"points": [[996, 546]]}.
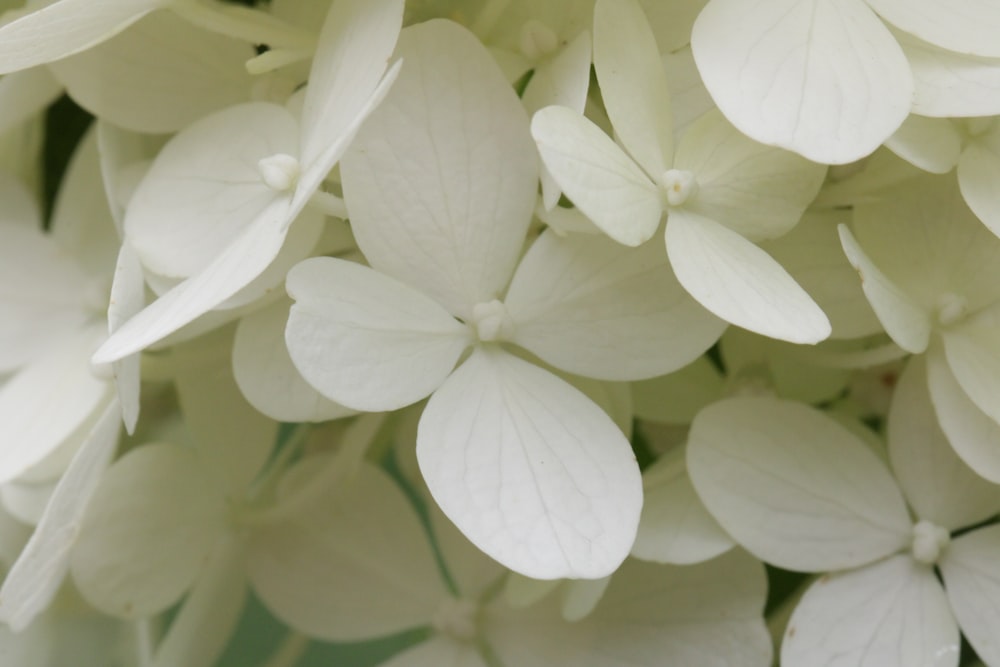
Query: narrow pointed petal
{"points": [[266, 375], [128, 296], [365, 340], [633, 83], [824, 79], [355, 44], [758, 191], [150, 528], [907, 323], [34, 579], [972, 584], [739, 282], [963, 26], [235, 267], [795, 487], [442, 179], [355, 564], [675, 527], [66, 27], [971, 432], [597, 175], [603, 310], [891, 614], [938, 485], [529, 469]]}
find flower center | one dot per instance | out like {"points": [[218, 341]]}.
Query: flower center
{"points": [[491, 321], [929, 540], [537, 40], [456, 619], [280, 171], [678, 185], [951, 307]]}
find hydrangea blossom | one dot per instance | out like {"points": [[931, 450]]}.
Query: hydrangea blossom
{"points": [[419, 386]]}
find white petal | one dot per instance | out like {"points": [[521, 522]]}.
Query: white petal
{"points": [[233, 440], [794, 486], [40, 569], [938, 485], [824, 79], [35, 314], [906, 322], [964, 26], [978, 168], [973, 352], [689, 99], [739, 282], [812, 255], [235, 267], [933, 144], [530, 470], [206, 620], [633, 83], [24, 94], [563, 80], [973, 434], [969, 571], [675, 527], [196, 72], [949, 84], [597, 175], [890, 614], [705, 614], [355, 43], [441, 180], [266, 375], [756, 190], [45, 403], [356, 564], [66, 27], [603, 310], [149, 530], [205, 187], [128, 296], [365, 340]]}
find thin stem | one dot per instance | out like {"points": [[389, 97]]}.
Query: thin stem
{"points": [[244, 23], [328, 204]]}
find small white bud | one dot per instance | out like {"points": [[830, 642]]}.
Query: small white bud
{"points": [[678, 185], [280, 171], [929, 540], [491, 321]]}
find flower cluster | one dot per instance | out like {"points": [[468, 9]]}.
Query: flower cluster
{"points": [[544, 333]]}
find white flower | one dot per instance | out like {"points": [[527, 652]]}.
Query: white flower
{"points": [[720, 190]]}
